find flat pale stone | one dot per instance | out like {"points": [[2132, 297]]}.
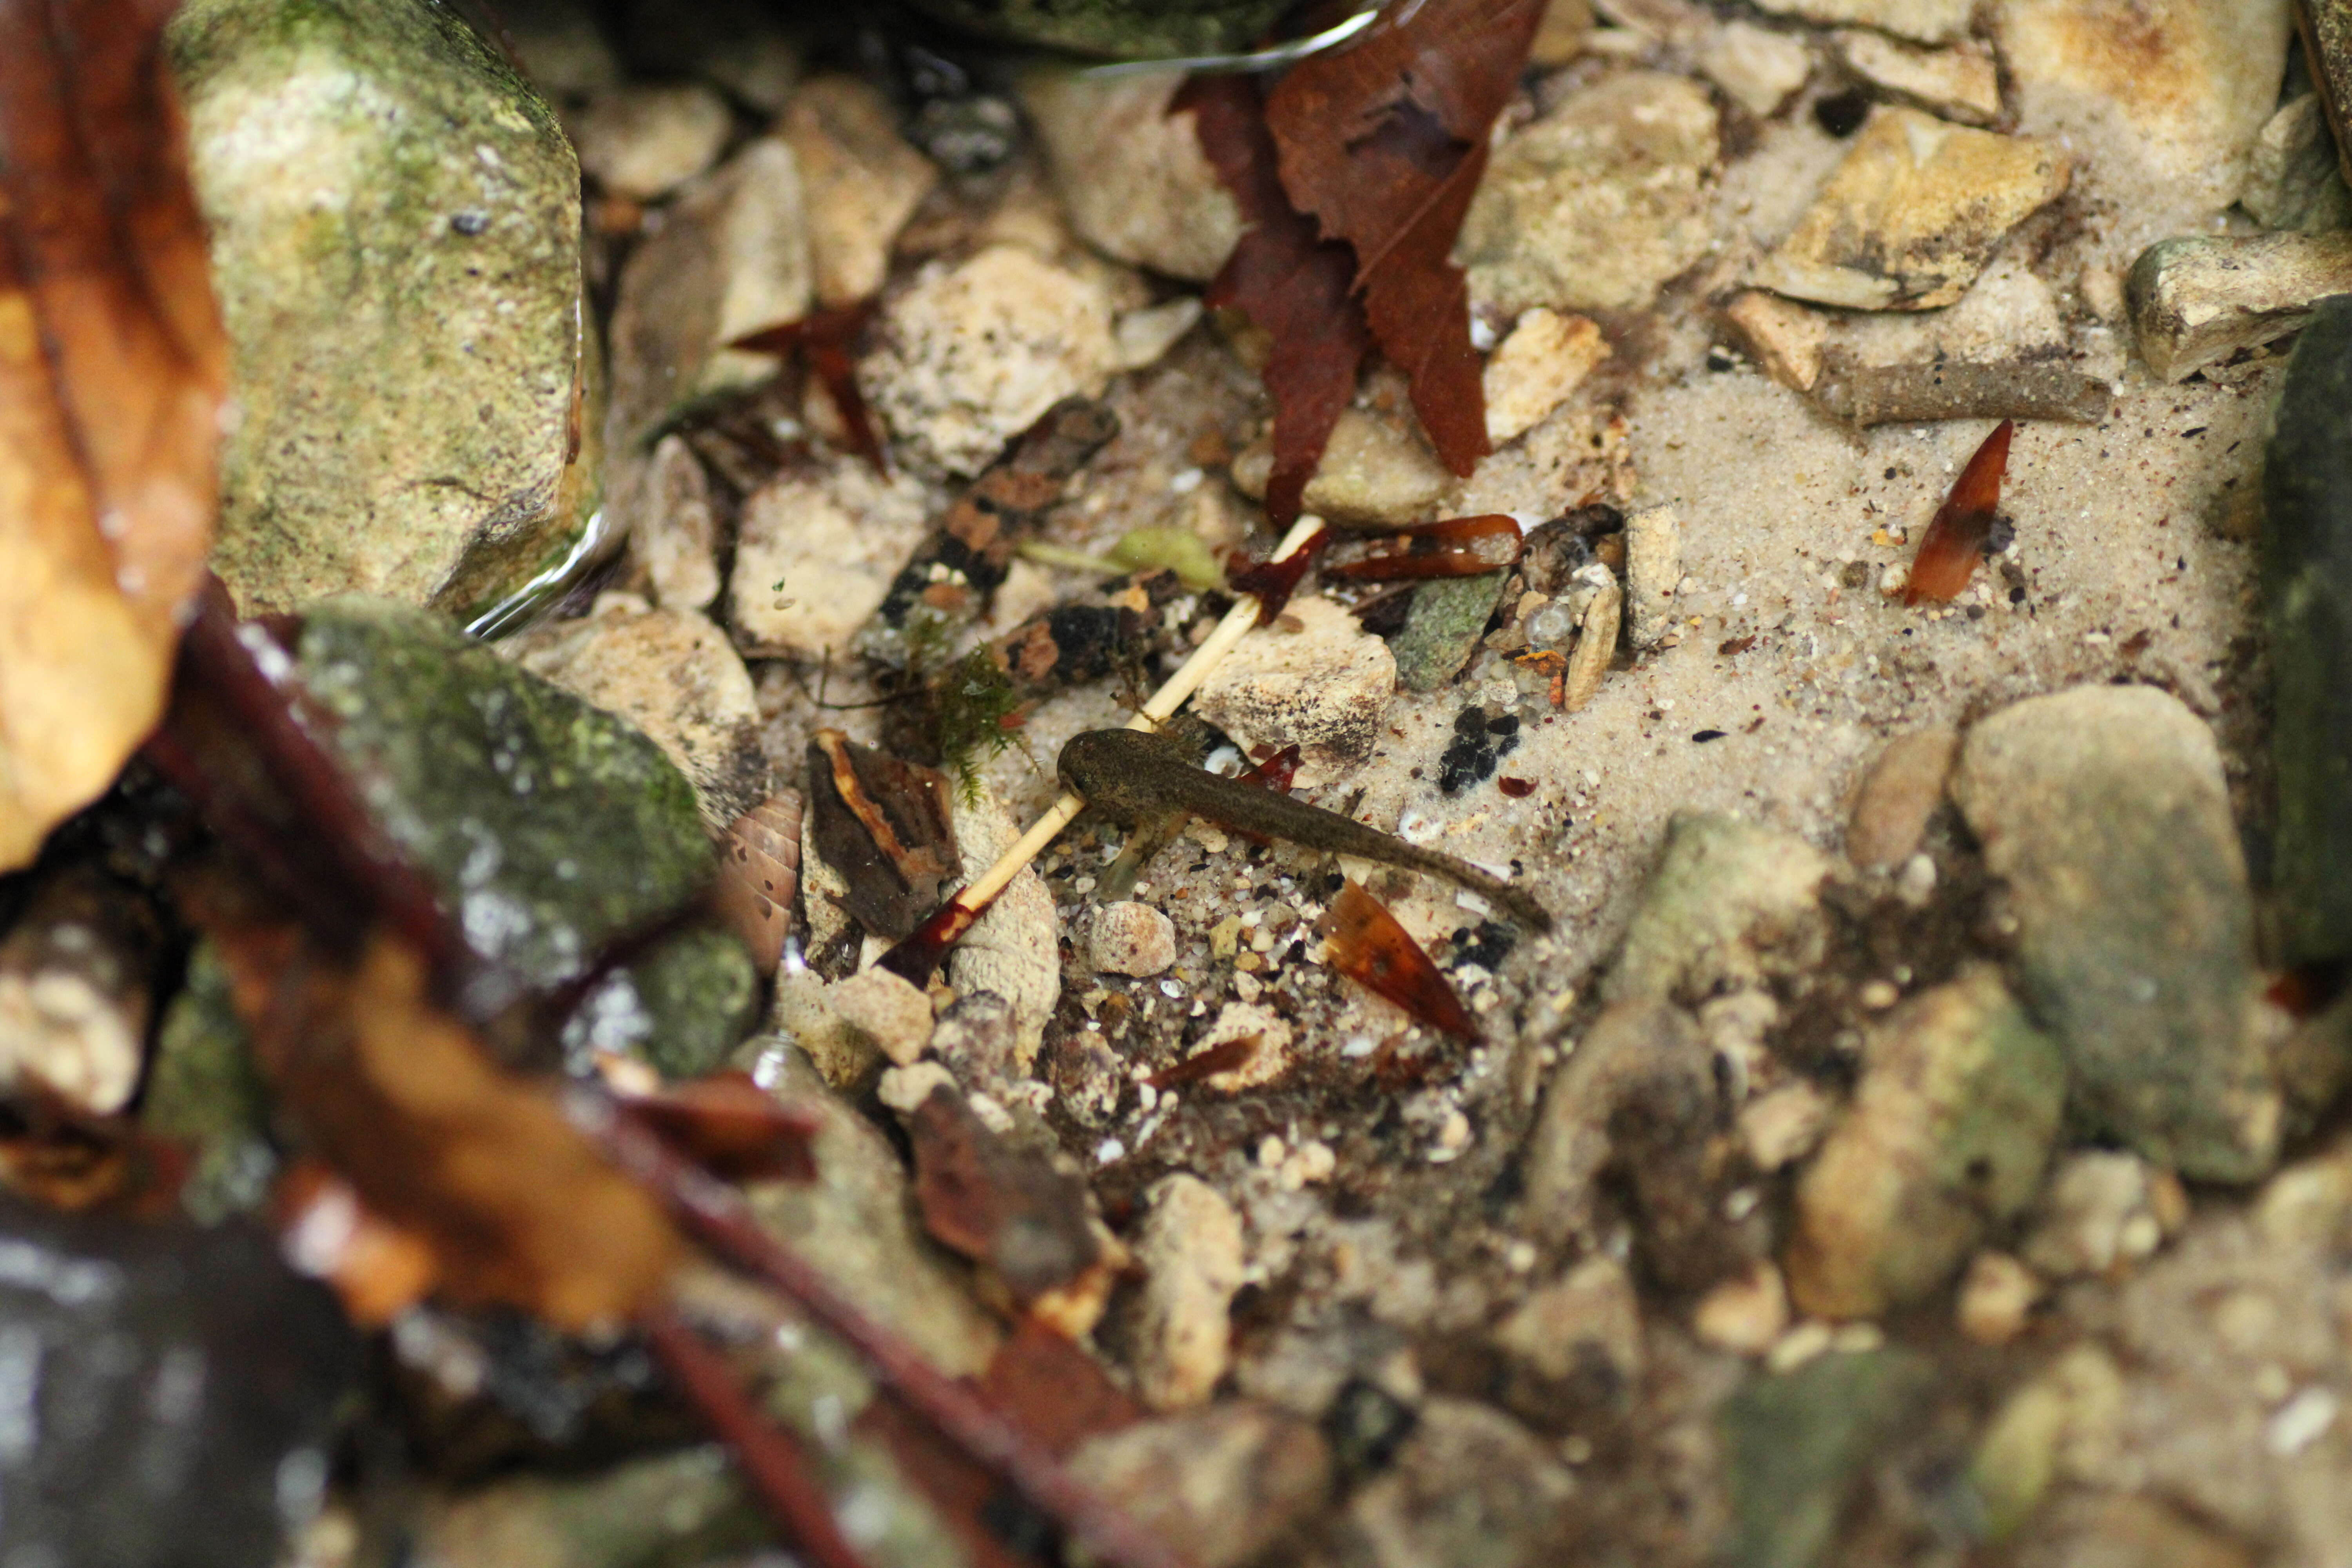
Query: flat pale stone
{"points": [[2293, 179], [1314, 679], [1653, 555], [816, 553], [1912, 214], [1534, 371], [1961, 83], [1783, 337], [1191, 1250], [1757, 67], [645, 142]]}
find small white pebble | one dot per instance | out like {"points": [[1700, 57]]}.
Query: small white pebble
{"points": [[2300, 1422], [1878, 994], [1855, 1339], [1269, 1151], [1799, 1345], [1519, 1257], [1109, 1151]]}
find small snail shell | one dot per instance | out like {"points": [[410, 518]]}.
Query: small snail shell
{"points": [[759, 874]]}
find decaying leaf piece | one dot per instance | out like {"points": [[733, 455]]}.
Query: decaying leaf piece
{"points": [[884, 825], [1383, 141], [1964, 525], [1364, 941], [1020, 1219], [828, 339], [517, 1207], [112, 370], [1457, 547], [1296, 286]]}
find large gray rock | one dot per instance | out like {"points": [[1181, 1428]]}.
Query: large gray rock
{"points": [[550, 828], [2103, 809], [395, 242], [2305, 546], [1731, 904], [1131, 175], [1948, 1133]]}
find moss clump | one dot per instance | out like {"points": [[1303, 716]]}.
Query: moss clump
{"points": [[973, 704]]}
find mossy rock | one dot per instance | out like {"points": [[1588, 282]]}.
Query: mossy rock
{"points": [[681, 1006]]}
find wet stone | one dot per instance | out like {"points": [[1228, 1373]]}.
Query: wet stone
{"points": [[1797, 1446], [645, 142], [1121, 29], [1654, 565], [681, 1007], [689, 1506], [1574, 1345], [2305, 547], [2160, 112], [2294, 179], [1948, 1133], [741, 47], [1192, 1251], [1128, 938], [2196, 301], [1470, 1488], [356, 407], [204, 1093], [2105, 811], [552, 829], [816, 554], [1755, 66], [1131, 175], [1912, 214], [1927, 21], [675, 537], [1480, 741], [1535, 369], [2102, 1209], [973, 353], [1897, 795], [1730, 904], [1598, 203], [177, 1391], [1220, 1485], [862, 182], [887, 1010], [1374, 469], [674, 675]]}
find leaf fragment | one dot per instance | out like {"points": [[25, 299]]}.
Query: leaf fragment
{"points": [[1956, 540], [1364, 941], [113, 373]]}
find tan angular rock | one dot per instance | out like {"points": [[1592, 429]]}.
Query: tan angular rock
{"points": [[1221, 1485], [862, 182], [1536, 368], [1912, 214], [974, 352], [1374, 469], [1783, 337], [1014, 950], [1589, 1320], [1654, 565], [815, 553], [1314, 679], [1132, 177], [1597, 204], [675, 537], [1128, 938], [890, 1011], [1961, 83], [2293, 179], [1744, 1316]]}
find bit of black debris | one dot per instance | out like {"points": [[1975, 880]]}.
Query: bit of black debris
{"points": [[1366, 1425], [2017, 596], [470, 222], [1486, 944], [1999, 535], [1720, 358], [1702, 737], [1479, 743], [1841, 113], [1890, 473], [1855, 575], [1385, 617], [2194, 430]]}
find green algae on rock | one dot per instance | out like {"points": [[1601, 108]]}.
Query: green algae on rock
{"points": [[204, 1091], [395, 240], [681, 1005], [2305, 550], [552, 828]]}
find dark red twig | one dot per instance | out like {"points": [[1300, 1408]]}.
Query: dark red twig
{"points": [[772, 1459], [717, 1215]]}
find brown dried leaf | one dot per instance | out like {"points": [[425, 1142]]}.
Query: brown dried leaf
{"points": [[884, 825], [516, 1206], [1955, 541], [112, 369], [1364, 943], [1383, 141], [1011, 1212], [1297, 287]]}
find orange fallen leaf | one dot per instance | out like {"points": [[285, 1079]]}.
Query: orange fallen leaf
{"points": [[1364, 941], [1955, 541], [480, 1165], [113, 373]]}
